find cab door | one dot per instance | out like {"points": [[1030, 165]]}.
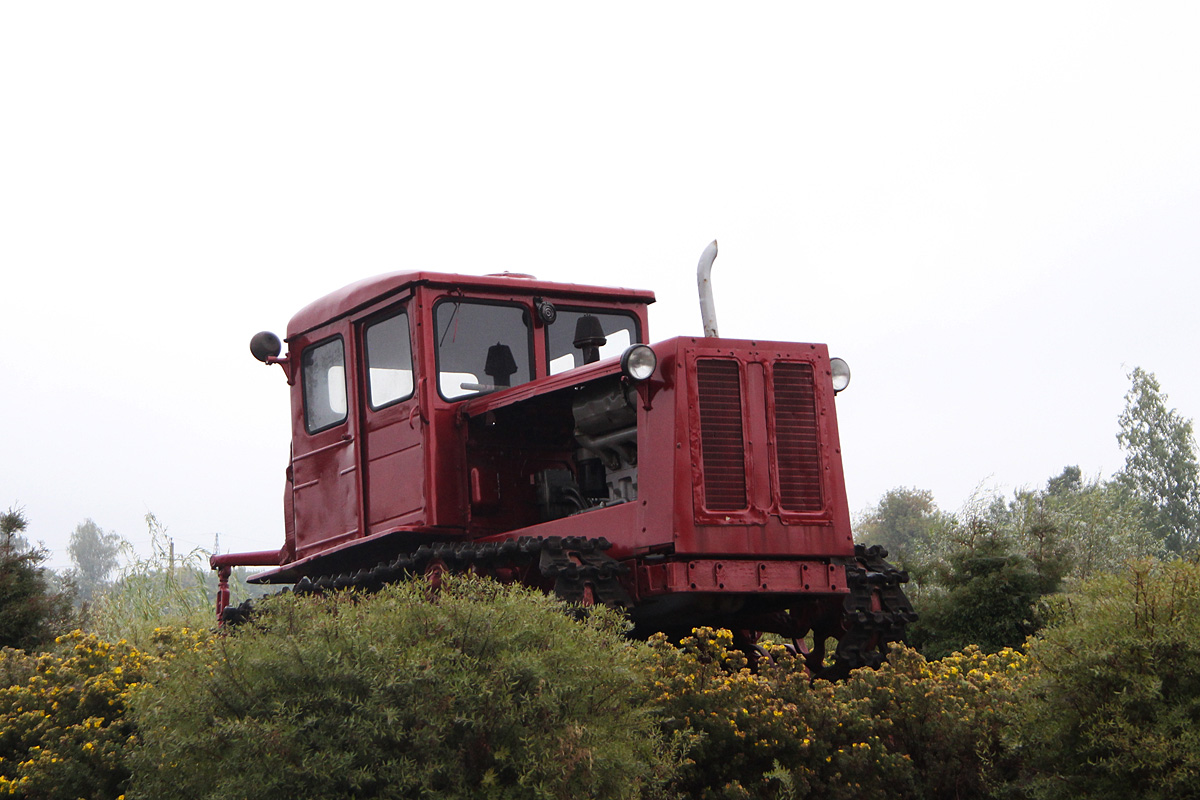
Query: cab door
{"points": [[325, 475], [393, 450]]}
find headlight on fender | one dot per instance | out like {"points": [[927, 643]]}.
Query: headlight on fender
{"points": [[638, 362], [840, 371]]}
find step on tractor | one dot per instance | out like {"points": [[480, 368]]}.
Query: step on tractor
{"points": [[525, 430]]}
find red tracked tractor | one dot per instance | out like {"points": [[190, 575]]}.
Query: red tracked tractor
{"points": [[522, 429]]}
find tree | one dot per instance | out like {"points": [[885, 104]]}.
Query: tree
{"points": [[1100, 524], [1160, 463], [987, 594], [32, 612], [94, 554], [904, 521], [12, 522], [1066, 483]]}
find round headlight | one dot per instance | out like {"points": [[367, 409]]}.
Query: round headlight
{"points": [[638, 362], [841, 374]]}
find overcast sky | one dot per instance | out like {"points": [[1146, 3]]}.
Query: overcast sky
{"points": [[993, 213]]}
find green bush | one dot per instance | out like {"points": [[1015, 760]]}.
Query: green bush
{"points": [[987, 592], [1114, 708], [153, 592], [480, 691]]}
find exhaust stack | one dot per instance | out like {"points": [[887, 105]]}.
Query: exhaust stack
{"points": [[708, 311]]}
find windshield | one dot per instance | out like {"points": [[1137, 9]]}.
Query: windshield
{"points": [[481, 347], [572, 340]]}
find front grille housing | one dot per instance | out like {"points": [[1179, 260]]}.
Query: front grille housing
{"points": [[734, 410]]}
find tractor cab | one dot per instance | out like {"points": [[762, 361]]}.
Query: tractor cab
{"points": [[381, 375]]}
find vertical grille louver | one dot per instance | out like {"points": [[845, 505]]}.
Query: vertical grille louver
{"points": [[722, 444], [796, 449]]}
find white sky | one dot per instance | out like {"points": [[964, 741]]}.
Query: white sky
{"points": [[992, 213]]}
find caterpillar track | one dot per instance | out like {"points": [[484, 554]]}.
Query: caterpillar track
{"points": [[876, 611], [577, 569]]}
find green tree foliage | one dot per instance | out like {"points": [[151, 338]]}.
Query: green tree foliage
{"points": [[94, 556], [906, 521], [1100, 526], [987, 594], [1113, 710], [982, 580], [32, 611], [480, 691], [1161, 468]]}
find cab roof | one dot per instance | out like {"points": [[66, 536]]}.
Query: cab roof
{"points": [[362, 293]]}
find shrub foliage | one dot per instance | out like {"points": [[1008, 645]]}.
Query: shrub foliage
{"points": [[64, 732], [913, 729], [1114, 707], [479, 691], [488, 691]]}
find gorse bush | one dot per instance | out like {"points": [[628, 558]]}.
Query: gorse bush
{"points": [[479, 691], [1114, 706], [768, 733], [482, 690], [63, 728], [912, 729], [947, 717]]}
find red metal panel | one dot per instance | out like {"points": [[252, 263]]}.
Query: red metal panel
{"points": [[742, 577], [795, 499]]}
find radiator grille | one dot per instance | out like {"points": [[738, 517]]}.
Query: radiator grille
{"points": [[722, 439], [796, 450]]}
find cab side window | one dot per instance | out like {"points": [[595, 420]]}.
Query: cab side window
{"points": [[389, 361], [323, 366]]}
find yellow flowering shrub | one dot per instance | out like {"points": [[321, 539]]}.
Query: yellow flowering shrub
{"points": [[947, 716], [769, 733], [912, 729], [64, 732]]}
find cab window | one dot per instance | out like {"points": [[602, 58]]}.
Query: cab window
{"points": [[572, 340], [324, 373], [481, 347], [389, 361]]}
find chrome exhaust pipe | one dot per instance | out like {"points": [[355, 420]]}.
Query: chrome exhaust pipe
{"points": [[708, 311]]}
